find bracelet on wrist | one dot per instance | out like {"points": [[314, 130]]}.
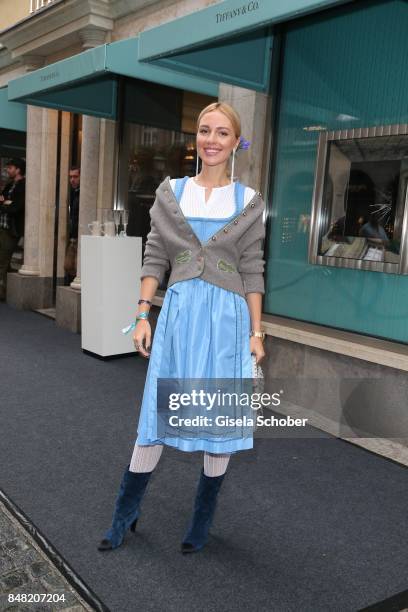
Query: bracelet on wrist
{"points": [[142, 316], [257, 334], [144, 302]]}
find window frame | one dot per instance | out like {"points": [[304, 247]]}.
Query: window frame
{"points": [[316, 220]]}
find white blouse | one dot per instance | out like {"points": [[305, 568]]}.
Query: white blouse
{"points": [[220, 204]]}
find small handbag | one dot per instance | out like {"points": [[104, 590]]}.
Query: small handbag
{"points": [[257, 372], [258, 382]]}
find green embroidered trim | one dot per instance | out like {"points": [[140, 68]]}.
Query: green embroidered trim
{"points": [[225, 266], [183, 257]]}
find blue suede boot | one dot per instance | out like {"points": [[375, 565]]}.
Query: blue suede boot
{"points": [[127, 504], [204, 508]]}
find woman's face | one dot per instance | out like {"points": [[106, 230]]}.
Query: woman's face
{"points": [[215, 138]]}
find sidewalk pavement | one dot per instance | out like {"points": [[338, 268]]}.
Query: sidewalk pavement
{"points": [[25, 571]]}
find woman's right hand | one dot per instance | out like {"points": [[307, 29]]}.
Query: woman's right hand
{"points": [[142, 333]]}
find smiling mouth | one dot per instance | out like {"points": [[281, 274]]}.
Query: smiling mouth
{"points": [[212, 151]]}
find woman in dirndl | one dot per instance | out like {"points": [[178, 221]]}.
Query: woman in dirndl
{"points": [[203, 332]]}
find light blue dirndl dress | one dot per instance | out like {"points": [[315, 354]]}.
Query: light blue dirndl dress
{"points": [[202, 331]]}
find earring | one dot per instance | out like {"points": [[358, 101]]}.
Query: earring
{"points": [[197, 164], [232, 166]]}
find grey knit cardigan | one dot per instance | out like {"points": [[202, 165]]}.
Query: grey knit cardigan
{"points": [[232, 258]]}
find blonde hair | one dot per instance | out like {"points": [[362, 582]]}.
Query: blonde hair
{"points": [[228, 111]]}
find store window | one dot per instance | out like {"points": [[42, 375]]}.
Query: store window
{"points": [[150, 153], [12, 144], [343, 72], [153, 154], [359, 199]]}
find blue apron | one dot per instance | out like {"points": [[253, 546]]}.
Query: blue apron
{"points": [[202, 332]]}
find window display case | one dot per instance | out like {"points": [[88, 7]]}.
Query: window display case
{"points": [[359, 212]]}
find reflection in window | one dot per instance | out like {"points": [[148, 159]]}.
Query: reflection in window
{"points": [[363, 198], [151, 155], [154, 153]]}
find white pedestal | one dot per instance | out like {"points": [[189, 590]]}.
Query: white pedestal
{"points": [[110, 289]]}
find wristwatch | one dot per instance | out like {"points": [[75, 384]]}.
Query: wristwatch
{"points": [[258, 334]]}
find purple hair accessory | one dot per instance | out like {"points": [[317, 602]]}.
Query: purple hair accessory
{"points": [[243, 143]]}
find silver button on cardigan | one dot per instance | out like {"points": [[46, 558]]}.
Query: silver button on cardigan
{"points": [[232, 258]]}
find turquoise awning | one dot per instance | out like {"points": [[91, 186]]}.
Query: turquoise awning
{"points": [[13, 116], [244, 60], [229, 42], [88, 83]]}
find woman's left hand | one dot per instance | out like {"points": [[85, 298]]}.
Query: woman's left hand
{"points": [[257, 348]]}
